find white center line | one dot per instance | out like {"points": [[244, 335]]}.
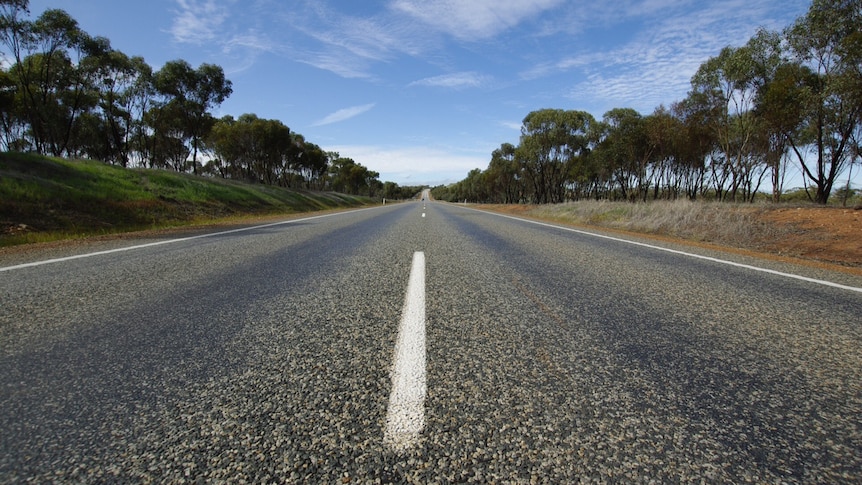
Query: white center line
{"points": [[405, 418]]}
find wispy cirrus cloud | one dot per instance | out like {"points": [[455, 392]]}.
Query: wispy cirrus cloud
{"points": [[343, 114], [349, 45], [561, 65], [251, 40], [654, 66], [198, 21], [456, 80], [512, 125], [473, 20]]}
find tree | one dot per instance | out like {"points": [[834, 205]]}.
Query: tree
{"points": [[66, 93], [118, 83], [51, 90], [727, 85], [349, 177], [825, 42], [692, 144], [551, 141], [12, 126], [503, 176], [190, 94], [309, 161], [13, 33], [625, 152]]}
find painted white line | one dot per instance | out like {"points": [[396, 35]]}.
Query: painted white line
{"points": [[405, 417], [169, 241], [683, 253]]}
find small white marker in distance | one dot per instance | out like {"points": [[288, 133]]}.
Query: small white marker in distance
{"points": [[423, 214], [405, 417]]}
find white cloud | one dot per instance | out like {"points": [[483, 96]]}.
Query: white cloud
{"points": [[416, 164], [349, 45], [198, 21], [343, 114], [565, 64], [455, 81], [251, 40], [654, 66], [346, 67], [512, 125], [474, 19]]}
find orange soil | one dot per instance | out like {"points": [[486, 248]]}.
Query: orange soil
{"points": [[828, 237], [819, 233]]}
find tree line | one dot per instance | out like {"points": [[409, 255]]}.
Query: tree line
{"points": [[784, 98], [66, 93]]}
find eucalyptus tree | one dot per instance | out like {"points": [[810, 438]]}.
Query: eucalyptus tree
{"points": [[727, 85], [626, 153], [14, 30], [12, 124], [51, 90], [503, 177], [309, 161], [353, 178], [826, 43], [267, 143], [668, 171], [165, 139], [118, 82], [14, 33], [552, 144], [773, 103], [227, 142], [692, 145], [189, 94]]}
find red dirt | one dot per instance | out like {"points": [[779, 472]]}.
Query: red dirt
{"points": [[830, 234], [827, 237]]}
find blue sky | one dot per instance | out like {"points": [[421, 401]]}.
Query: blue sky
{"points": [[422, 91]]}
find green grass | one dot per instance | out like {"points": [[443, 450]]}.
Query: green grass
{"points": [[43, 199]]}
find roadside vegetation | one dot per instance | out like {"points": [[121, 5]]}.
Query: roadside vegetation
{"points": [[94, 141], [797, 229], [727, 224], [67, 93], [46, 198], [783, 100]]}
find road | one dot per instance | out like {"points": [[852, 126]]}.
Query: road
{"points": [[267, 354]]}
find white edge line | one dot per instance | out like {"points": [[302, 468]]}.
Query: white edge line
{"points": [[683, 253], [405, 417], [171, 241]]}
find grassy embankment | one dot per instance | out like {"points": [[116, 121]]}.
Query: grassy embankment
{"points": [[45, 199]]}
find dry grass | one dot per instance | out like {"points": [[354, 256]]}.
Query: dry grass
{"points": [[713, 222], [829, 235]]}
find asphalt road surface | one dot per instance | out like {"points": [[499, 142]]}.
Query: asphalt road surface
{"points": [[531, 354]]}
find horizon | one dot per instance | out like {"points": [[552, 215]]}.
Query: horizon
{"points": [[423, 92]]}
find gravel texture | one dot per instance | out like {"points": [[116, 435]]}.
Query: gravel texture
{"points": [[552, 357]]}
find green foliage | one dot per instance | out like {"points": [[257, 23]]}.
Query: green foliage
{"points": [[826, 41], [554, 145], [349, 177], [68, 94], [52, 197], [793, 97]]}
